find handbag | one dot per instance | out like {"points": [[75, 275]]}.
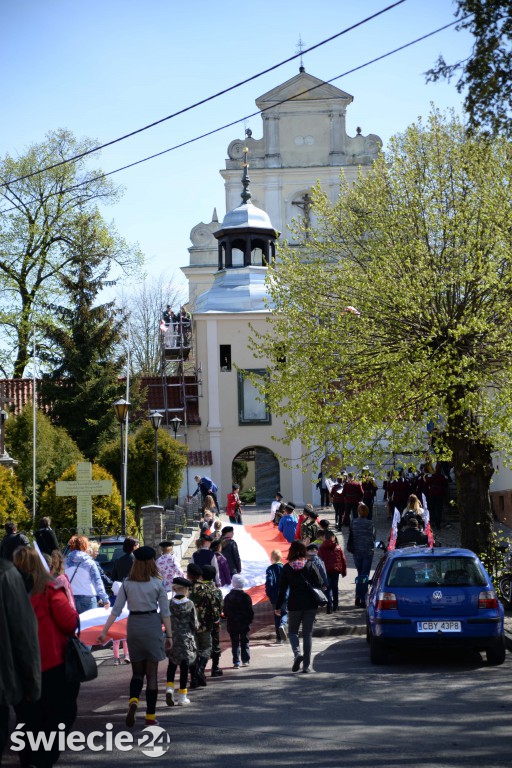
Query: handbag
{"points": [[318, 595], [79, 663], [350, 542]]}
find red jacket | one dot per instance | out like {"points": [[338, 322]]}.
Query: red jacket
{"points": [[56, 621], [352, 492], [333, 557]]}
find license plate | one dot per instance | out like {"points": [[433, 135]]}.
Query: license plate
{"points": [[439, 626]]}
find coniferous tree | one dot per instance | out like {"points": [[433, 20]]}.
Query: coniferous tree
{"points": [[85, 359]]}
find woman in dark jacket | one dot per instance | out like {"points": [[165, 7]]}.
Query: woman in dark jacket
{"points": [[299, 575], [363, 538]]}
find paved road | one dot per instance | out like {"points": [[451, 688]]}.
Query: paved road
{"points": [[443, 711]]}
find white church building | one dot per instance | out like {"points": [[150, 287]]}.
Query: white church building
{"points": [[304, 140]]}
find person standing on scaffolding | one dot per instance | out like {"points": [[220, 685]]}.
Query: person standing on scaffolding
{"points": [[185, 321]]}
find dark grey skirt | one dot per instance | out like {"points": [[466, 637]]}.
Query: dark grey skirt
{"points": [[145, 637]]}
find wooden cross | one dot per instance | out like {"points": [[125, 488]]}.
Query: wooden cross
{"points": [[84, 488]]}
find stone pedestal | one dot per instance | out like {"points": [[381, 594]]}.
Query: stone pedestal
{"points": [[152, 525]]}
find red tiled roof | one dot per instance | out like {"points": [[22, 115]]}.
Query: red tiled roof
{"points": [[200, 458], [18, 392]]}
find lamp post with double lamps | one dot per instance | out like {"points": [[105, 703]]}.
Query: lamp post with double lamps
{"points": [[156, 418], [121, 408]]}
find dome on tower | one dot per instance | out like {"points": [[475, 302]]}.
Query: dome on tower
{"points": [[247, 215]]}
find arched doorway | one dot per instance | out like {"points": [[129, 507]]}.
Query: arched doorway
{"points": [[257, 467]]}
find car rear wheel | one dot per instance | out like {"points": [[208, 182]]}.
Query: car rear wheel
{"points": [[506, 591], [378, 653], [496, 654]]}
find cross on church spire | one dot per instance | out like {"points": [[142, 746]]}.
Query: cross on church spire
{"points": [[246, 195], [300, 47]]}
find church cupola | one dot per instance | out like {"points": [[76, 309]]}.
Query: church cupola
{"points": [[246, 237]]}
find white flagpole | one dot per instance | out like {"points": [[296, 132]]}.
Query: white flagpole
{"points": [[34, 431], [127, 400]]}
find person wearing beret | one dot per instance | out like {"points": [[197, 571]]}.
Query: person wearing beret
{"points": [[143, 592], [230, 550], [184, 650]]}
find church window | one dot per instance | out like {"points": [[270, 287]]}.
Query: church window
{"points": [[225, 357], [252, 408]]}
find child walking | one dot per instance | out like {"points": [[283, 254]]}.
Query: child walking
{"points": [[183, 652], [239, 616]]}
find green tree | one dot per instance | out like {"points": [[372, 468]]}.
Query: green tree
{"points": [[11, 500], [422, 248], [85, 360], [486, 74], [172, 460], [106, 510], [54, 453], [40, 234]]}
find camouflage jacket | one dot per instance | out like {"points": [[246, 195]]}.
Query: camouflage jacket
{"points": [[208, 602]]}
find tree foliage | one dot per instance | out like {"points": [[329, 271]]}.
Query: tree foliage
{"points": [[55, 449], [421, 247], [486, 75], [40, 237], [11, 500], [172, 460], [86, 358], [106, 510]]}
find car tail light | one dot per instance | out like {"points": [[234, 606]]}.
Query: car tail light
{"points": [[386, 601], [487, 599]]}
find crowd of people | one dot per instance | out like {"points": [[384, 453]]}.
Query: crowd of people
{"points": [[50, 591]]}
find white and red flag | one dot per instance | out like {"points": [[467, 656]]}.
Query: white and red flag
{"points": [[394, 529], [426, 517]]}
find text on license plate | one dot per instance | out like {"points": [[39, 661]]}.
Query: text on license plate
{"points": [[439, 626]]}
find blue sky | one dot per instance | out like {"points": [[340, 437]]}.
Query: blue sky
{"points": [[102, 68]]}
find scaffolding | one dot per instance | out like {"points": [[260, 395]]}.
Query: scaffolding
{"points": [[180, 374]]}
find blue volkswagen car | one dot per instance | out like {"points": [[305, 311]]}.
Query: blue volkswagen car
{"points": [[424, 597]]}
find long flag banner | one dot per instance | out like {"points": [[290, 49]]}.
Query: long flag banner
{"points": [[255, 543]]}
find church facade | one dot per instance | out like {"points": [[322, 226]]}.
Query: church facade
{"points": [[304, 140]]}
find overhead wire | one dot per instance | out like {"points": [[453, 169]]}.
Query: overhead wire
{"points": [[233, 122], [209, 98]]}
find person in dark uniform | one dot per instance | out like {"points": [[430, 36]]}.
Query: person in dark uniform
{"points": [[123, 565], [45, 537]]}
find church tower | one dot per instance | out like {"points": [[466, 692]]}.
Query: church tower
{"points": [[304, 141]]}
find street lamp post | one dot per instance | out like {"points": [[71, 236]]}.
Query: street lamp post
{"points": [[156, 418], [175, 423], [121, 408]]}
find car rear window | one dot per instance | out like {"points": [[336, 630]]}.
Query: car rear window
{"points": [[436, 571], [108, 552]]}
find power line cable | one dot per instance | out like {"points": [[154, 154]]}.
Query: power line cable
{"points": [[208, 98], [247, 117]]}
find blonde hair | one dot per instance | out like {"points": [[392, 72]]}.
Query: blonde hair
{"points": [[28, 561], [144, 570], [94, 548], [414, 503], [276, 556], [209, 504]]}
